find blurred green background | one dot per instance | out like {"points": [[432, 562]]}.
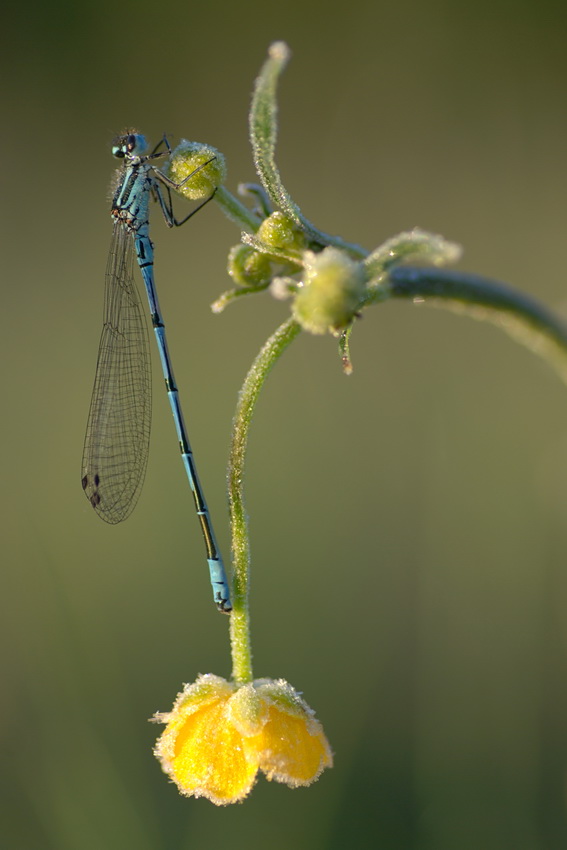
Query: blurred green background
{"points": [[408, 523]]}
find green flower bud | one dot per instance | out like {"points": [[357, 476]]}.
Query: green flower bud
{"points": [[189, 156], [248, 267], [279, 231], [333, 291]]}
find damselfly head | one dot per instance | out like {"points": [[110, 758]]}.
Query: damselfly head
{"points": [[129, 144]]}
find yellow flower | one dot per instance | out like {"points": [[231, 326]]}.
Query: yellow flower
{"points": [[220, 735]]}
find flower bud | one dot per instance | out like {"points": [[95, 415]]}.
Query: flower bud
{"points": [[248, 267], [279, 231], [333, 291], [184, 162]]}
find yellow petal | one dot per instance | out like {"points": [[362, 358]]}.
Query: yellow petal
{"points": [[247, 711], [202, 752], [290, 749]]}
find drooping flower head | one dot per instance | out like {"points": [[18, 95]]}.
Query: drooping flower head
{"points": [[219, 736]]}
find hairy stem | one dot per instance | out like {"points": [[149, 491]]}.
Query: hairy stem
{"points": [[236, 211], [524, 318], [240, 617]]}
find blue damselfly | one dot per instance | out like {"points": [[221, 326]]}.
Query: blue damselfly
{"points": [[118, 430]]}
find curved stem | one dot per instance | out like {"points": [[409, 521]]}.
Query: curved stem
{"points": [[524, 318], [239, 618], [263, 136]]}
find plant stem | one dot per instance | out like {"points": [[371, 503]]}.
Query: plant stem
{"points": [[236, 211], [240, 617], [524, 318]]}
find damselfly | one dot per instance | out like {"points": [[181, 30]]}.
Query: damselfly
{"points": [[116, 446]]}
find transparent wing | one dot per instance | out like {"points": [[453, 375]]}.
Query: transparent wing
{"points": [[115, 453]]}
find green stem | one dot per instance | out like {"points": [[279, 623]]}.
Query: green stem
{"points": [[236, 211], [263, 136], [524, 318], [240, 617]]}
